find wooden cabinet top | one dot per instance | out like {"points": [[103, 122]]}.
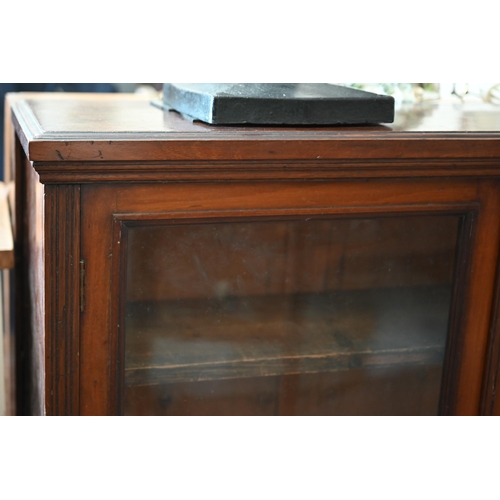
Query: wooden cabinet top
{"points": [[68, 129]]}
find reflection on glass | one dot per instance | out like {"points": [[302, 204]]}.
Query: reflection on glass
{"points": [[296, 317]]}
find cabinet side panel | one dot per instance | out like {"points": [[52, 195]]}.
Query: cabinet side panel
{"points": [[62, 296], [30, 303]]}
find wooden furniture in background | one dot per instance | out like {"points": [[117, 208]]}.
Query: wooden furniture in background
{"points": [[6, 264], [170, 267]]}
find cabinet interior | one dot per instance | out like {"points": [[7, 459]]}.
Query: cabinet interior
{"points": [[217, 308]]}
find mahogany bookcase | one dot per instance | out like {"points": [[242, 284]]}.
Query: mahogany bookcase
{"points": [[165, 267]]}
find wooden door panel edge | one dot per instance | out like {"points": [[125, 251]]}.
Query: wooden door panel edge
{"points": [[479, 305]]}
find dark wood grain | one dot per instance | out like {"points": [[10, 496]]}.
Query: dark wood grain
{"points": [[62, 316], [30, 288]]}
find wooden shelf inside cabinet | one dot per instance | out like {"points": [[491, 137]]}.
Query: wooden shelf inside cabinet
{"points": [[196, 340]]}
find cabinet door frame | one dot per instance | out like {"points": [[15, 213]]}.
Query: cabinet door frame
{"points": [[107, 207]]}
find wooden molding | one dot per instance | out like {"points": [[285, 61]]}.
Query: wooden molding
{"points": [[62, 245], [104, 172], [49, 133]]}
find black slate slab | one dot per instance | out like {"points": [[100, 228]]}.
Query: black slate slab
{"points": [[277, 103]]}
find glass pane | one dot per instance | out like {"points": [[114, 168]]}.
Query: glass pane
{"points": [[294, 317]]}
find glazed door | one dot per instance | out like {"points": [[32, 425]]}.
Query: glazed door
{"points": [[339, 298]]}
